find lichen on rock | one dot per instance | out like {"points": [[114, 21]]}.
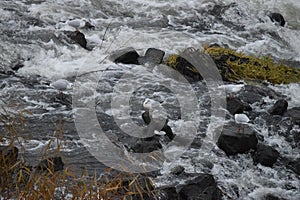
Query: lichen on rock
{"points": [[236, 66]]}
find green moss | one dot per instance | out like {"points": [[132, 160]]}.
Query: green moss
{"points": [[238, 66]]}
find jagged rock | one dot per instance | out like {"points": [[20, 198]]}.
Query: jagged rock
{"points": [[278, 18], [265, 155], [235, 105], [294, 114], [153, 56], [52, 163], [78, 37], [232, 142], [125, 56], [279, 107]]}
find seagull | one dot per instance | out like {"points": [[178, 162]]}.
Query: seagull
{"points": [[241, 119], [232, 88], [156, 112], [61, 84], [76, 23]]}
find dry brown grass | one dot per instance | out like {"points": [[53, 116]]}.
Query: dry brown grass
{"points": [[20, 181]]}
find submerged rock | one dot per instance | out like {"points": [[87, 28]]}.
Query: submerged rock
{"points": [[265, 155], [279, 107], [232, 142], [294, 114]]}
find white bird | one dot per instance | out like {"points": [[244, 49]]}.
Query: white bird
{"points": [[232, 88], [156, 110], [241, 119], [61, 84], [76, 23]]}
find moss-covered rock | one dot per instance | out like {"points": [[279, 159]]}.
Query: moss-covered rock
{"points": [[238, 66], [184, 67], [235, 66]]}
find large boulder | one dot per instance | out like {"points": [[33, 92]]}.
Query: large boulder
{"points": [[279, 107], [265, 155], [232, 142]]}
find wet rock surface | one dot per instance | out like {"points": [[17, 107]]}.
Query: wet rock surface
{"points": [[233, 142], [265, 155]]}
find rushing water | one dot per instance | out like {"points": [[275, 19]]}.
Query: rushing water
{"points": [[31, 34]]}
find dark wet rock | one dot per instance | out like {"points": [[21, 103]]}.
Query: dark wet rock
{"points": [[18, 65], [146, 145], [169, 192], [272, 197], [78, 37], [202, 187], [64, 99], [166, 128], [153, 56], [197, 143], [125, 56], [184, 67], [9, 156], [177, 170], [278, 18], [254, 94], [279, 107], [232, 142], [265, 155], [294, 165], [294, 114], [52, 163], [235, 105]]}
